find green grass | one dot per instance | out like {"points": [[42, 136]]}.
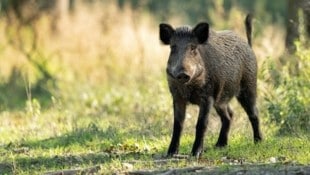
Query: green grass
{"points": [[110, 128], [109, 148]]}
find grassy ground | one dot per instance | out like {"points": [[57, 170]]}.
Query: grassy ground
{"points": [[125, 130], [116, 150]]}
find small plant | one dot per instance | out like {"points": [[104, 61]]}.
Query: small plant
{"points": [[288, 104]]}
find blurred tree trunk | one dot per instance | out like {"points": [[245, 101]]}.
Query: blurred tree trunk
{"points": [[293, 22], [59, 12], [307, 17], [71, 5], [292, 25]]}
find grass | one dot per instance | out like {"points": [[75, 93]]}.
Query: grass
{"points": [[113, 147], [129, 126]]}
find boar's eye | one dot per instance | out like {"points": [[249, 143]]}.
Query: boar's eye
{"points": [[193, 49]]}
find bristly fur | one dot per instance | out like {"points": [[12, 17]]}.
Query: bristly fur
{"points": [[208, 68], [184, 31]]}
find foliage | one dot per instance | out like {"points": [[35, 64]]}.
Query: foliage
{"points": [[288, 103], [265, 10], [23, 39]]}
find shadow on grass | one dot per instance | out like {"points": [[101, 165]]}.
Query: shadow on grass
{"points": [[15, 91], [90, 136], [110, 143], [80, 136], [91, 146], [44, 163], [29, 164]]}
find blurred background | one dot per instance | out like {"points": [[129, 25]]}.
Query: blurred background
{"points": [[67, 63]]}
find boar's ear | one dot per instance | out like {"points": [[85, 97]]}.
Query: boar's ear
{"points": [[201, 31], [165, 33]]}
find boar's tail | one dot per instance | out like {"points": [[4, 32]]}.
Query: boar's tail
{"points": [[248, 27]]}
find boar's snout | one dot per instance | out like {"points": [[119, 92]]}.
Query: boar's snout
{"points": [[179, 75], [183, 77]]}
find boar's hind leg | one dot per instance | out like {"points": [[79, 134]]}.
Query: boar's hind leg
{"points": [[226, 115], [179, 107], [247, 99]]}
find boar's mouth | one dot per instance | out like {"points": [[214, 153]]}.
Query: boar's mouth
{"points": [[196, 76]]}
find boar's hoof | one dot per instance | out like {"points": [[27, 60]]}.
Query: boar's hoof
{"points": [[197, 154], [220, 145]]}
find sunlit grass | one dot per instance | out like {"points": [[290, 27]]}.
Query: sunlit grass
{"points": [[109, 127], [113, 147]]}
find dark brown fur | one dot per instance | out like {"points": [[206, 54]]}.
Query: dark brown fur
{"points": [[209, 68]]}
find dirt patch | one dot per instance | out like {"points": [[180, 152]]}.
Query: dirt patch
{"points": [[270, 169]]}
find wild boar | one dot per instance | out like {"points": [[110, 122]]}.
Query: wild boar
{"points": [[208, 68]]}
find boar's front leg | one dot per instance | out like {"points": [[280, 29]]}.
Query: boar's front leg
{"points": [[179, 108], [204, 109]]}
